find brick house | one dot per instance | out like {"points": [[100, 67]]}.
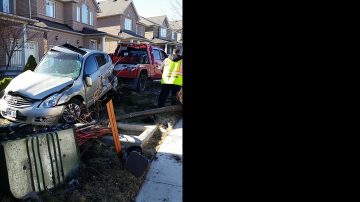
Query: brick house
{"points": [[31, 35], [71, 21], [159, 32], [119, 17]]}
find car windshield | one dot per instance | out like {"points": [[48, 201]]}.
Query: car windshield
{"points": [[133, 55], [60, 64]]}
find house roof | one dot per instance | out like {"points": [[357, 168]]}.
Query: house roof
{"points": [[52, 24], [113, 7], [157, 19], [132, 33], [161, 41], [56, 25], [91, 31], [76, 1], [176, 25], [145, 21]]}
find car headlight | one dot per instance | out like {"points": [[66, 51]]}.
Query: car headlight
{"points": [[51, 101]]}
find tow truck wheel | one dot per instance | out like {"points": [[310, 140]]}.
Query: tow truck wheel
{"points": [[73, 111], [141, 85]]}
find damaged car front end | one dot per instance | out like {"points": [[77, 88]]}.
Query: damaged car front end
{"points": [[59, 90]]}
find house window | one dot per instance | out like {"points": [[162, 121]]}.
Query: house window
{"points": [[84, 17], [173, 36], [50, 8], [91, 19], [127, 24], [78, 14], [6, 6], [163, 32]]}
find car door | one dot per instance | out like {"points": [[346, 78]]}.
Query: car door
{"points": [[158, 63], [92, 70], [104, 72]]}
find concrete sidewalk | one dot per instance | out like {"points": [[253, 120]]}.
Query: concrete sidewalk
{"points": [[164, 179]]}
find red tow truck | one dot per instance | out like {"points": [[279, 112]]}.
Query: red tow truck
{"points": [[136, 63]]}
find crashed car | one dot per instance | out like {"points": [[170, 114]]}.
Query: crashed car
{"points": [[66, 82]]}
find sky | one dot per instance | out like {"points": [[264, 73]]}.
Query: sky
{"points": [[150, 8]]}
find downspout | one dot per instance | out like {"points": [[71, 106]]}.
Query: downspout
{"points": [[29, 9], [23, 45]]}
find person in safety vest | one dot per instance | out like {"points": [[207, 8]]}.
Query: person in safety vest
{"points": [[171, 78]]}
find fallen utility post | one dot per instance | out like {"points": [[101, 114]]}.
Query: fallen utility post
{"points": [[173, 108]]}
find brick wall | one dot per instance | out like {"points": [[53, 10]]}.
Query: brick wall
{"points": [[110, 24], [63, 38]]}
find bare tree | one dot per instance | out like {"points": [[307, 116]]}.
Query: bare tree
{"points": [[176, 6], [11, 37]]}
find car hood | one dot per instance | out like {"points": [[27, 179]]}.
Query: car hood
{"points": [[37, 85]]}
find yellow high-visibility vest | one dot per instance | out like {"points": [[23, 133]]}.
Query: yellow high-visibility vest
{"points": [[172, 73]]}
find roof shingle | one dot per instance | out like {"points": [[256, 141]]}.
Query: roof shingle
{"points": [[113, 7], [157, 19], [176, 25]]}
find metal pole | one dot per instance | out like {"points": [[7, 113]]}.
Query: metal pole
{"points": [[23, 45], [29, 9]]}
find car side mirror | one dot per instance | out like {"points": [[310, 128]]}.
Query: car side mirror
{"points": [[88, 81]]}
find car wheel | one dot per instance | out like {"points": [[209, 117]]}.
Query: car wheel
{"points": [[141, 85], [73, 111]]}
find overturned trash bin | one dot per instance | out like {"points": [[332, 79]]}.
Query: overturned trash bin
{"points": [[38, 162]]}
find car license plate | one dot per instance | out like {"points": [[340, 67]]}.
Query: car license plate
{"points": [[11, 113]]}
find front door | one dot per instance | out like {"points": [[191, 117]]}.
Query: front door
{"points": [[31, 48], [93, 44], [91, 70]]}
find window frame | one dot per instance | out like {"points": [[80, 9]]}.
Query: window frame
{"points": [[78, 11], [84, 14], [6, 9], [127, 20], [91, 16], [156, 50], [95, 61], [161, 32], [104, 57], [54, 8]]}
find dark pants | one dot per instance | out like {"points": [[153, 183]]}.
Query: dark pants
{"points": [[165, 90]]}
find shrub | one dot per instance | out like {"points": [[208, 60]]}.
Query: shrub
{"points": [[4, 82], [31, 63]]}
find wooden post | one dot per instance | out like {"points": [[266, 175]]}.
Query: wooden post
{"points": [[113, 124]]}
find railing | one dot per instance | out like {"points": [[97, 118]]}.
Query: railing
{"points": [[16, 59]]}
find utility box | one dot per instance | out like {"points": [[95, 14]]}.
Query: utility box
{"points": [[38, 162]]}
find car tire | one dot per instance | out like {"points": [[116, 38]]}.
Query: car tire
{"points": [[74, 110], [141, 84]]}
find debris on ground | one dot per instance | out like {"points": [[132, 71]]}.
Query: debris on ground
{"points": [[101, 176]]}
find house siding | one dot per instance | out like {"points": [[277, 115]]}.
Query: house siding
{"points": [[140, 30], [22, 8], [110, 24]]}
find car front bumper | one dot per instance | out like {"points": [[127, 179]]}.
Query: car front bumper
{"points": [[33, 114]]}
